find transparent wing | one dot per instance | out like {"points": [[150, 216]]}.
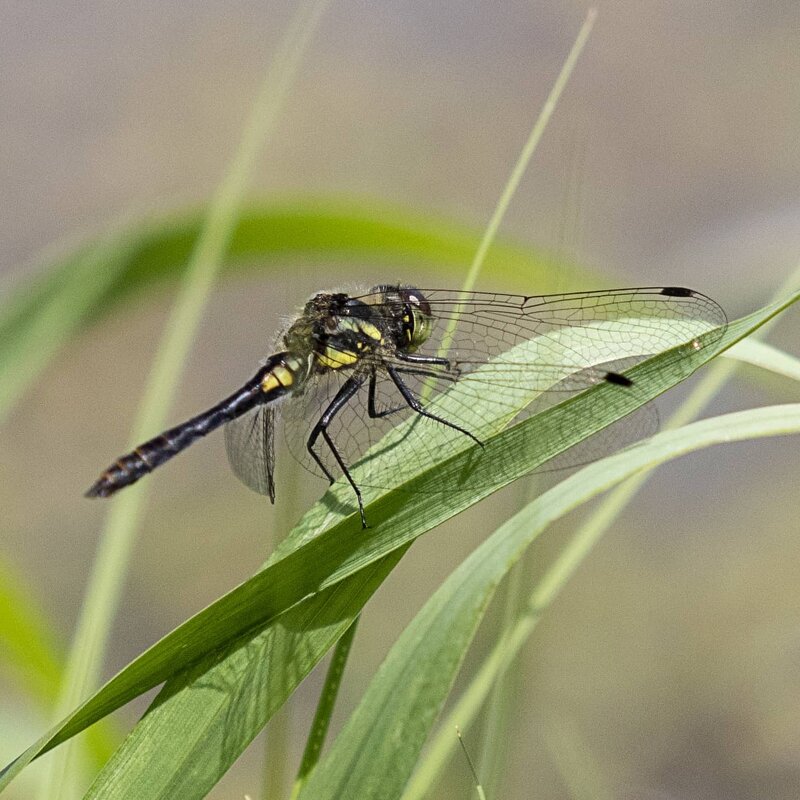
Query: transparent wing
{"points": [[511, 355], [250, 445], [575, 331]]}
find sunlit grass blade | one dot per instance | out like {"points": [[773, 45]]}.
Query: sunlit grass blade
{"points": [[324, 712], [470, 279], [315, 560], [29, 645], [493, 743], [77, 290], [375, 752]]}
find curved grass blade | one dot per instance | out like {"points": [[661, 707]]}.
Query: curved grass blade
{"points": [[78, 289], [375, 752], [33, 659], [496, 664], [767, 357], [101, 600], [313, 562]]}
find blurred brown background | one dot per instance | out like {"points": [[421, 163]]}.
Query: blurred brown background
{"points": [[674, 656]]}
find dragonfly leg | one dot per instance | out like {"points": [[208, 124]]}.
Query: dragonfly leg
{"points": [[413, 403], [452, 370], [416, 358], [424, 373], [343, 396], [371, 409]]}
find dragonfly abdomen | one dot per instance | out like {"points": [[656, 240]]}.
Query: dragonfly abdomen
{"points": [[272, 381]]}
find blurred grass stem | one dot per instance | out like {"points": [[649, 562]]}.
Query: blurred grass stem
{"points": [[113, 555], [521, 165]]}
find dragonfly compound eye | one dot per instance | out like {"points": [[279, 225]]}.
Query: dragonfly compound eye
{"points": [[417, 317]]}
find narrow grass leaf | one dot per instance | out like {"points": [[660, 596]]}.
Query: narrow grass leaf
{"points": [[214, 707], [324, 712], [496, 664], [80, 288], [76, 290], [767, 357], [102, 596], [375, 752]]}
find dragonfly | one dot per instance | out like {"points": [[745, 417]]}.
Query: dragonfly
{"points": [[351, 367]]}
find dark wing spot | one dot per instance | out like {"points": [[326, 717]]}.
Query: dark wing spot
{"points": [[617, 379], [677, 291]]}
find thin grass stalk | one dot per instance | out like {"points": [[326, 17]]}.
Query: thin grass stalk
{"points": [[324, 712], [475, 778], [521, 165], [111, 562], [499, 704], [494, 743], [469, 704]]}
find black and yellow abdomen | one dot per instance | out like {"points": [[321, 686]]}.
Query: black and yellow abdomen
{"points": [[276, 378]]}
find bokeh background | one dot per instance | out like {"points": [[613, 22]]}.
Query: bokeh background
{"points": [[670, 667]]}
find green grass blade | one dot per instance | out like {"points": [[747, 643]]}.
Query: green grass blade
{"points": [[202, 720], [767, 357], [29, 645], [312, 562], [78, 289], [496, 664], [528, 150], [38, 319], [512, 184], [33, 659], [492, 742], [375, 752], [470, 279]]}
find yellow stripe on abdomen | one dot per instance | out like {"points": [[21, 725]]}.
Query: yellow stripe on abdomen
{"points": [[279, 378]]}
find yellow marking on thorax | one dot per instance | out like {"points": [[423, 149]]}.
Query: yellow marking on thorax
{"points": [[279, 378], [361, 326], [335, 359], [371, 330]]}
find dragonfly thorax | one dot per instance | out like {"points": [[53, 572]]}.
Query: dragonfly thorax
{"points": [[337, 331]]}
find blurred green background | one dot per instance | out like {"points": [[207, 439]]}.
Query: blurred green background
{"points": [[670, 667]]}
